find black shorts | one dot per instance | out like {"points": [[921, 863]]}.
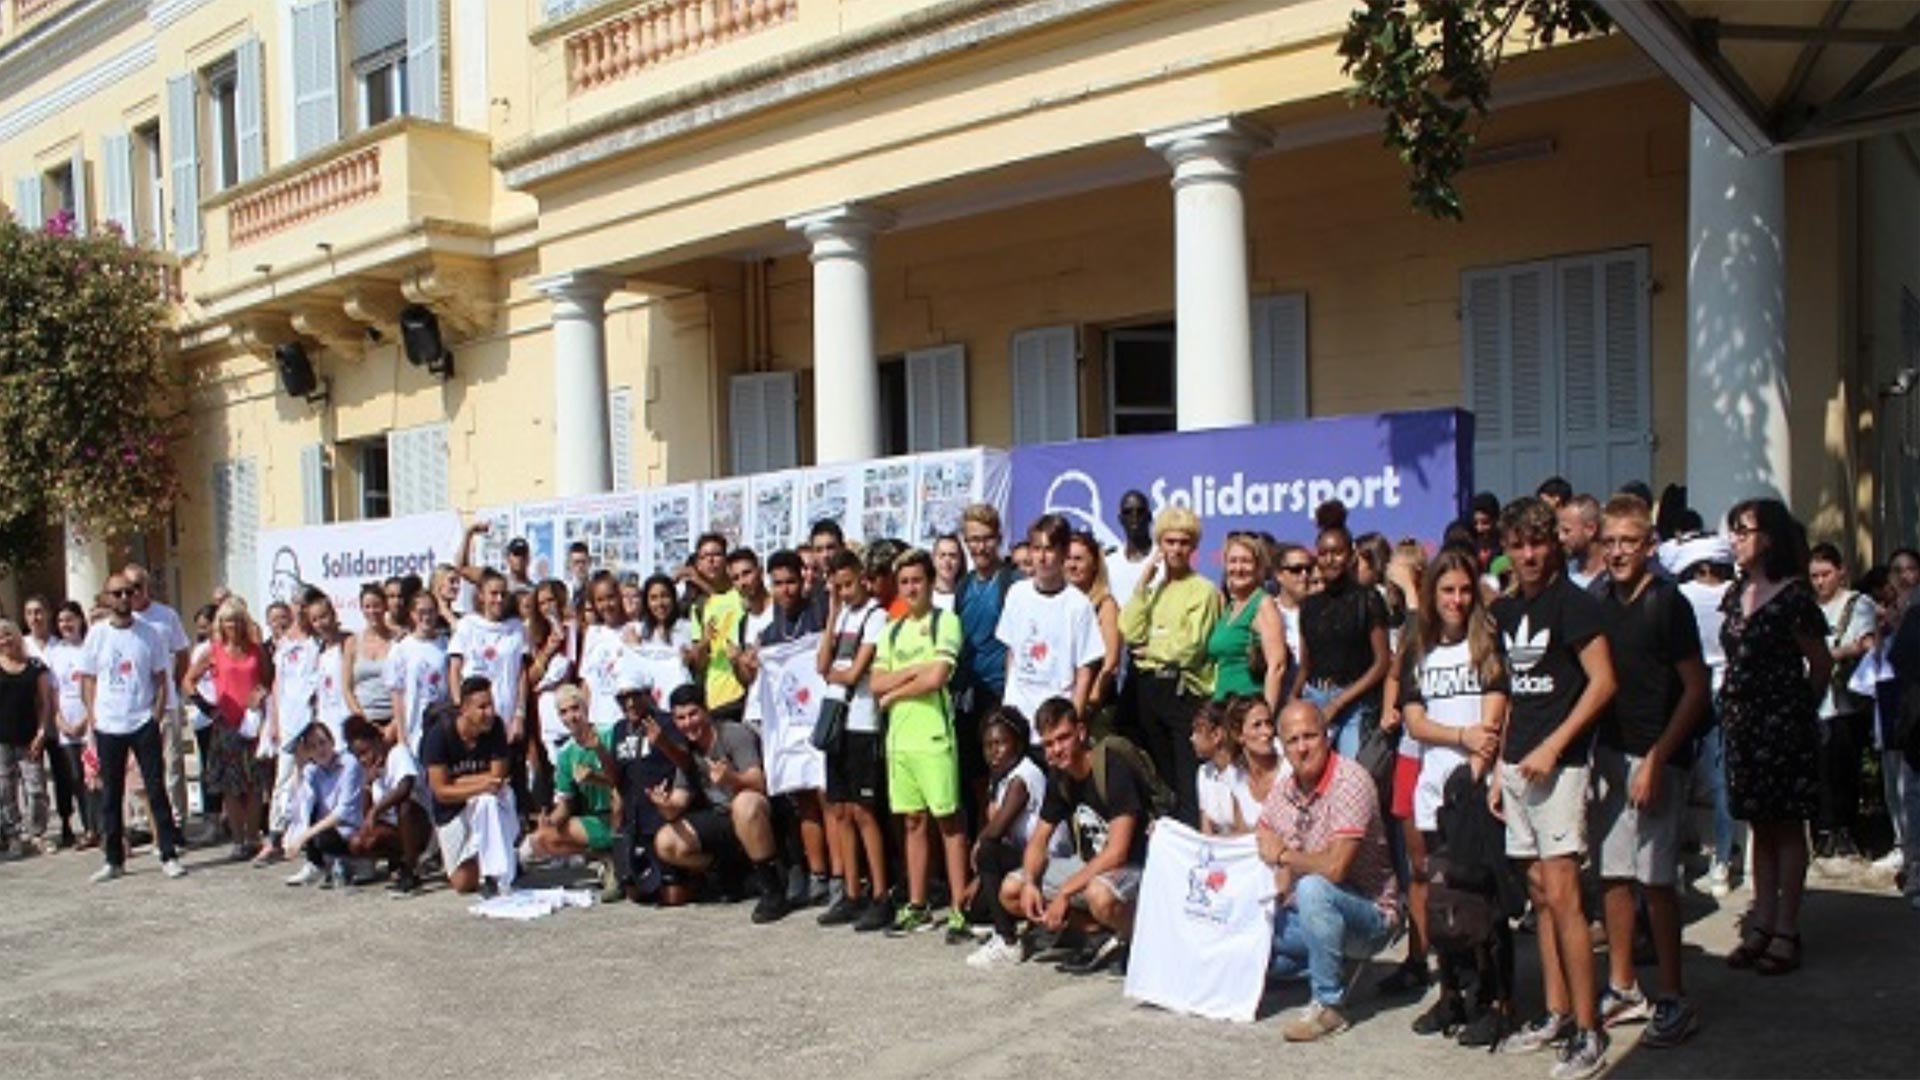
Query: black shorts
{"points": [[713, 827], [854, 768]]}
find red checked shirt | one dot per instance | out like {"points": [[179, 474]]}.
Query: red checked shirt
{"points": [[1343, 804]]}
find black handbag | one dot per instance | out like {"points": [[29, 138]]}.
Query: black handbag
{"points": [[830, 725]]}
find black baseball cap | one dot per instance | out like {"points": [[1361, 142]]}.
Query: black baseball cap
{"points": [[517, 546]]}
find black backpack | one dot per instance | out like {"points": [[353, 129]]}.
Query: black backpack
{"points": [[1161, 801], [1471, 884]]}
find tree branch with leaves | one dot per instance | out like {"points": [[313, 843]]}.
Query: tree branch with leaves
{"points": [[1428, 64]]}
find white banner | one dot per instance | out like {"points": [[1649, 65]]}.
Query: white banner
{"points": [[1204, 930], [338, 559], [790, 690]]}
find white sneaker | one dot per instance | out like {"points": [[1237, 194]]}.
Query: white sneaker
{"points": [[308, 874], [172, 868], [1891, 862], [995, 953], [1719, 880], [107, 873]]}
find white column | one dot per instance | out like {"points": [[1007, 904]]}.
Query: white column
{"points": [[1737, 438], [846, 374], [1213, 324], [582, 464], [87, 565]]}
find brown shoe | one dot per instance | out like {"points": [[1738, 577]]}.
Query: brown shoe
{"points": [[1315, 1021]]}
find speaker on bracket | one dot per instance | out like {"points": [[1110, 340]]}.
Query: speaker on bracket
{"points": [[420, 339], [297, 376]]}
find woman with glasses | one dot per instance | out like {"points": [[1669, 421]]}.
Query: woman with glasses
{"points": [[1344, 627], [1293, 575], [1777, 664]]}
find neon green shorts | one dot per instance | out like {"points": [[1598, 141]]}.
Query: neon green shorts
{"points": [[926, 780]]}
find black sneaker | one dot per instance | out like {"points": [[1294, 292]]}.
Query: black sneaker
{"points": [[772, 907], [1445, 1017], [842, 912], [1487, 1028], [1096, 957], [403, 885], [1407, 980], [878, 916]]}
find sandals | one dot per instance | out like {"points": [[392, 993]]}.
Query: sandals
{"points": [[1772, 962], [1754, 943]]}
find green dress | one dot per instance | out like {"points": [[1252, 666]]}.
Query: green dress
{"points": [[1227, 648]]}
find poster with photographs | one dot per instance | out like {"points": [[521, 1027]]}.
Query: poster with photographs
{"points": [[610, 527], [830, 492], [539, 523], [672, 521], [886, 499], [724, 510], [943, 487], [773, 512], [490, 547]]}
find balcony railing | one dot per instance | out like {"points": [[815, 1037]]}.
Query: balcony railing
{"points": [[318, 191], [661, 32]]}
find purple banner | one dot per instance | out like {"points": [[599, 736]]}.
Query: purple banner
{"points": [[1402, 474]]}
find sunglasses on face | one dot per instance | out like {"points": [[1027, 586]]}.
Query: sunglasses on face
{"points": [[1295, 568], [121, 592]]}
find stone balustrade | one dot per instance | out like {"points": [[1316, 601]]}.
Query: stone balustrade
{"points": [[314, 193], [662, 31]]}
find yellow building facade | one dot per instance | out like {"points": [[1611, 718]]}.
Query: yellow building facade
{"points": [[664, 240]]}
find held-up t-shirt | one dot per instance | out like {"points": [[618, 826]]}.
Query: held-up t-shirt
{"points": [[497, 650], [861, 626], [1089, 817], [129, 665], [1648, 639], [443, 746], [296, 680], [1543, 637], [417, 670], [1050, 637]]}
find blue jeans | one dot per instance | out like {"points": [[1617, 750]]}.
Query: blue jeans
{"points": [[1711, 760], [1345, 730], [1324, 926]]}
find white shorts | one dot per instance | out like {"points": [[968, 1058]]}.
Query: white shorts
{"points": [[1545, 820], [1640, 844]]}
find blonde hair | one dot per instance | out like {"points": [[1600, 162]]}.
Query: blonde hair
{"points": [[981, 514], [1100, 589], [235, 608], [1254, 546], [1177, 518], [568, 694]]}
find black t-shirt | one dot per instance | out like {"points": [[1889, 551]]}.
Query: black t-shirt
{"points": [[1648, 639], [1088, 816], [443, 746], [20, 704], [1544, 636], [1337, 624], [641, 767]]}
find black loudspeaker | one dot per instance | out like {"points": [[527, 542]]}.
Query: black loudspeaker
{"points": [[420, 338], [296, 370]]}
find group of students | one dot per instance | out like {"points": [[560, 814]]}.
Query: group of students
{"points": [[998, 740]]}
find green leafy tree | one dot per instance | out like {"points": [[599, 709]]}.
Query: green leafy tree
{"points": [[1428, 64], [88, 416]]}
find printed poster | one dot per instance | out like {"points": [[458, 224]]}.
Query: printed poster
{"points": [[790, 690], [671, 525], [610, 527], [539, 525], [830, 491], [886, 493], [945, 486], [490, 547], [773, 512], [725, 503]]}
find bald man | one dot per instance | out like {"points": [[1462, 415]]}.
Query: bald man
{"points": [[1321, 831]]}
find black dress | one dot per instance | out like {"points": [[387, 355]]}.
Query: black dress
{"points": [[1768, 706]]}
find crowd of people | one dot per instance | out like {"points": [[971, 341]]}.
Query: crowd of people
{"points": [[1444, 742]]}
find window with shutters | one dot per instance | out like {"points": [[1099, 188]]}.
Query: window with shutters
{"points": [[417, 469], [893, 405], [1046, 384], [316, 485], [56, 191], [222, 123], [377, 38], [1557, 357], [1280, 357], [236, 522], [763, 421], [374, 493], [1142, 391], [620, 434], [147, 185], [936, 398]]}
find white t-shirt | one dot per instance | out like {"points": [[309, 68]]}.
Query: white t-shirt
{"points": [[296, 679], [173, 633], [1706, 615], [129, 665], [600, 672], [747, 637], [205, 687], [1049, 638], [330, 695], [865, 624], [417, 670], [1219, 791], [1290, 624], [1864, 618], [1123, 574], [63, 660], [553, 730], [401, 764], [1451, 692], [1034, 779], [659, 667], [497, 650]]}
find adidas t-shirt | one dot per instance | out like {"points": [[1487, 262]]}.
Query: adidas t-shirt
{"points": [[1543, 638]]}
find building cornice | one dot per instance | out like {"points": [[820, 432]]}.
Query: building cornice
{"points": [[926, 35], [61, 38], [90, 82]]}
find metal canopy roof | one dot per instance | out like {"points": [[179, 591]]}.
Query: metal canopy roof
{"points": [[1782, 74]]}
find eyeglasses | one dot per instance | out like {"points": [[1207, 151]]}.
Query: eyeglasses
{"points": [[120, 592], [1296, 568], [1742, 532]]}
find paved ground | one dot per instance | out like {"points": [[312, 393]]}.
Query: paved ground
{"points": [[229, 974]]}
